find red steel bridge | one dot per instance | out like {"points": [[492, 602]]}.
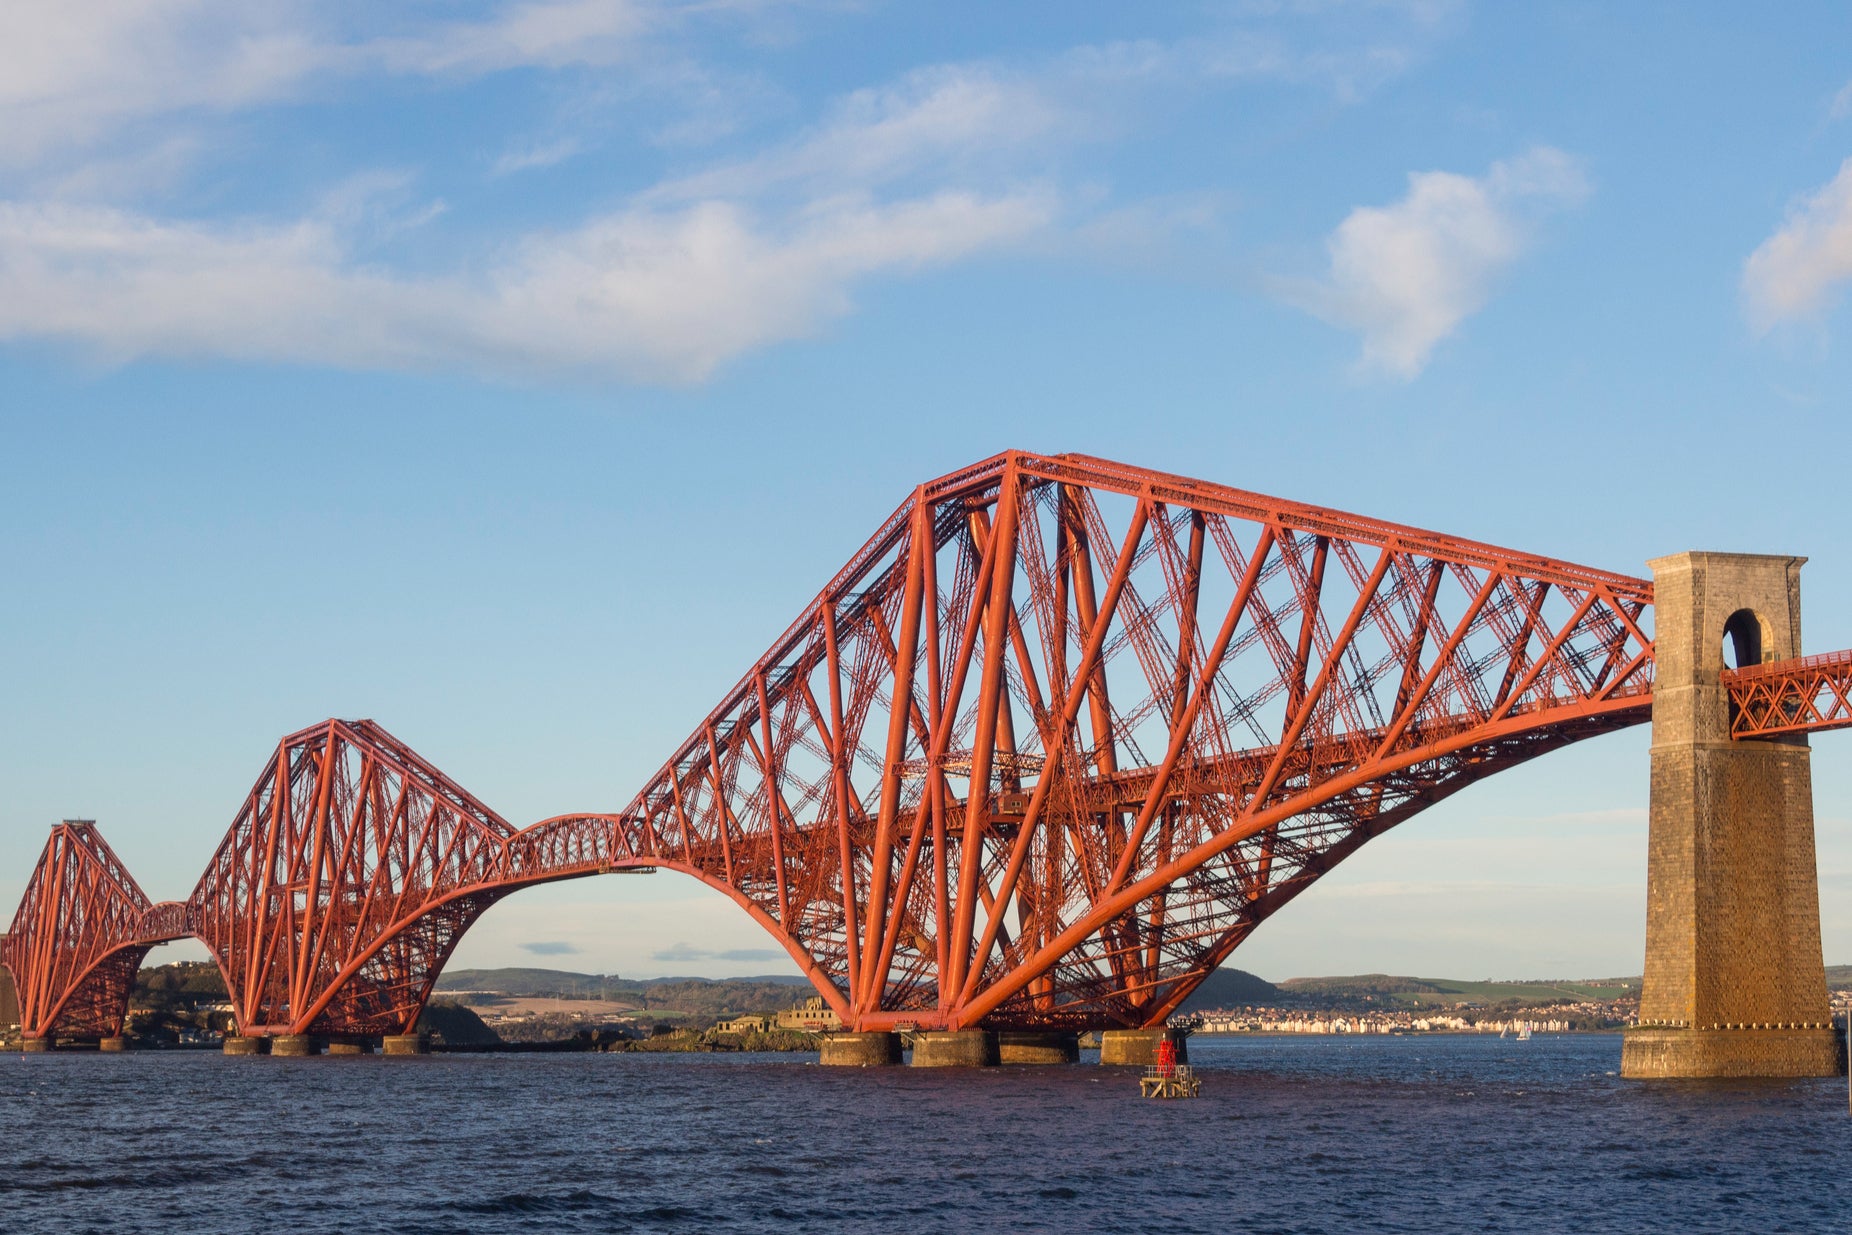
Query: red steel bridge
{"points": [[1041, 755]]}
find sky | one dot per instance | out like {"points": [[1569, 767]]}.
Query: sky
{"points": [[513, 373]]}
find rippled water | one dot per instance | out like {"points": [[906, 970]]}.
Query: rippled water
{"points": [[1291, 1134]]}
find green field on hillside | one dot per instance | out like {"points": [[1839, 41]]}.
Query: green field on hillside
{"points": [[1431, 992]]}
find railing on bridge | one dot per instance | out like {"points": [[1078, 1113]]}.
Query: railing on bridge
{"points": [[1800, 695]]}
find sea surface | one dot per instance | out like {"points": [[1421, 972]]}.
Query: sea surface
{"points": [[1291, 1134]]}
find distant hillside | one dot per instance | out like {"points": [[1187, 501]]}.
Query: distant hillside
{"points": [[1230, 988], [1839, 977], [182, 984], [1392, 989], [694, 997], [560, 984], [1362, 984], [1224, 988], [542, 983]]}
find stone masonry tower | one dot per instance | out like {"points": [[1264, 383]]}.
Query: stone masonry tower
{"points": [[1735, 985]]}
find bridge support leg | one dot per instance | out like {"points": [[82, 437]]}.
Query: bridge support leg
{"points": [[238, 1044], [349, 1047], [110, 1046], [1139, 1047], [955, 1048], [294, 1045], [1013, 1047], [33, 1046], [405, 1044], [860, 1050], [1735, 984]]}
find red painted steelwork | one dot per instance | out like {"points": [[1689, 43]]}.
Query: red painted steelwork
{"points": [[82, 929], [1801, 695], [1056, 739], [346, 879], [1063, 732]]}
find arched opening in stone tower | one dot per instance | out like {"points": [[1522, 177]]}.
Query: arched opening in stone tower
{"points": [[1742, 640]]}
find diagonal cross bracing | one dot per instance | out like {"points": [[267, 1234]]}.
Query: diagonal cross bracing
{"points": [[1043, 753]]}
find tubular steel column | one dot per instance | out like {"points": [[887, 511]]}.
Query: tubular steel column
{"points": [[1734, 984]]}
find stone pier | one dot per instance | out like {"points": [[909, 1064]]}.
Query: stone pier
{"points": [[860, 1050], [406, 1044], [1139, 1047], [238, 1044], [1735, 984], [957, 1048], [33, 1046], [1038, 1048], [111, 1046], [294, 1046]]}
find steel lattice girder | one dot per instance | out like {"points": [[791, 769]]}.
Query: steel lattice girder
{"points": [[344, 883], [81, 931], [1042, 754], [1173, 704], [1801, 695]]}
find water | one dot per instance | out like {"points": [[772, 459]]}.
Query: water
{"points": [[1291, 1134]]}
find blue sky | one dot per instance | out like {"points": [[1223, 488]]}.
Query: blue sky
{"points": [[513, 373]]}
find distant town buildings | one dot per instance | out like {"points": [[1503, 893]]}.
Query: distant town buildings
{"points": [[1554, 1018]]}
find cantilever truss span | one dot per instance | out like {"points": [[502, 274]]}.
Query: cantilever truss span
{"points": [[1063, 732], [1056, 739]]}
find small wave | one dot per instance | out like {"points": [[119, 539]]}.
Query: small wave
{"points": [[1660, 1172], [538, 1203]]}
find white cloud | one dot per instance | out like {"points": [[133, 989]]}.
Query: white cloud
{"points": [[655, 295], [1841, 106], [545, 34], [543, 154], [931, 118], [1794, 273], [100, 100], [68, 72], [72, 73], [1406, 275]]}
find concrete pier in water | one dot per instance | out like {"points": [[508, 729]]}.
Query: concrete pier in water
{"points": [[1021, 1047], [1139, 1047], [860, 1050], [957, 1048]]}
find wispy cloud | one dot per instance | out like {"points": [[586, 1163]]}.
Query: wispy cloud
{"points": [[1796, 272], [70, 74], [932, 119], [665, 284], [651, 295], [545, 154], [553, 947], [542, 34], [1405, 275]]}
